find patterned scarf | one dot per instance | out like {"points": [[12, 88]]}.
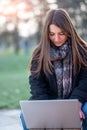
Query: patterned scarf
{"points": [[62, 60]]}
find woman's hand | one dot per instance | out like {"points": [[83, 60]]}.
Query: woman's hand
{"points": [[82, 116]]}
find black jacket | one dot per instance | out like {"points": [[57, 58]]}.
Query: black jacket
{"points": [[45, 87]]}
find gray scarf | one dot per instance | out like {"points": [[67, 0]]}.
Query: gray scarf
{"points": [[62, 60]]}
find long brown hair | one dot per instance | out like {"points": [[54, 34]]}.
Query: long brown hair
{"points": [[41, 55]]}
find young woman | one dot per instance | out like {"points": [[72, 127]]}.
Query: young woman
{"points": [[59, 63]]}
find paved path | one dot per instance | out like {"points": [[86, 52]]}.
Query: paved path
{"points": [[10, 120]]}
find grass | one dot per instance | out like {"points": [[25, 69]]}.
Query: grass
{"points": [[14, 84]]}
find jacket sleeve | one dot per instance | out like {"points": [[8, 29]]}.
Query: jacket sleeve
{"points": [[38, 85], [80, 91]]}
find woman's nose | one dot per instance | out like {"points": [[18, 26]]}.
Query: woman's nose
{"points": [[56, 38]]}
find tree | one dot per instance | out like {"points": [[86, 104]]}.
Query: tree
{"points": [[78, 12]]}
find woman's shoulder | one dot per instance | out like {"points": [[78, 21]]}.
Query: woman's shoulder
{"points": [[83, 51], [83, 71]]}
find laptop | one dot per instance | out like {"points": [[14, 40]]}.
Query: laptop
{"points": [[51, 113]]}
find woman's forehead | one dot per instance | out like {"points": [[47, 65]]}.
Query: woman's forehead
{"points": [[53, 28]]}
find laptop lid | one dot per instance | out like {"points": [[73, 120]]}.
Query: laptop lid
{"points": [[51, 113]]}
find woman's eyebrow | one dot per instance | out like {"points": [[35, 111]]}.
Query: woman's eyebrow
{"points": [[51, 32]]}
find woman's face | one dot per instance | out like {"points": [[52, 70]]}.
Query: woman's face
{"points": [[57, 35]]}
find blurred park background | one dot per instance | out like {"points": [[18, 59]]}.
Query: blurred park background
{"points": [[20, 29]]}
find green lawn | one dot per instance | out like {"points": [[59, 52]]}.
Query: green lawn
{"points": [[13, 80]]}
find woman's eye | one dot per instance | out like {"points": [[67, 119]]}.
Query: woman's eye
{"points": [[62, 33], [51, 34]]}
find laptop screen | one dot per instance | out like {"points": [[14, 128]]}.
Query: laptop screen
{"points": [[51, 113]]}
